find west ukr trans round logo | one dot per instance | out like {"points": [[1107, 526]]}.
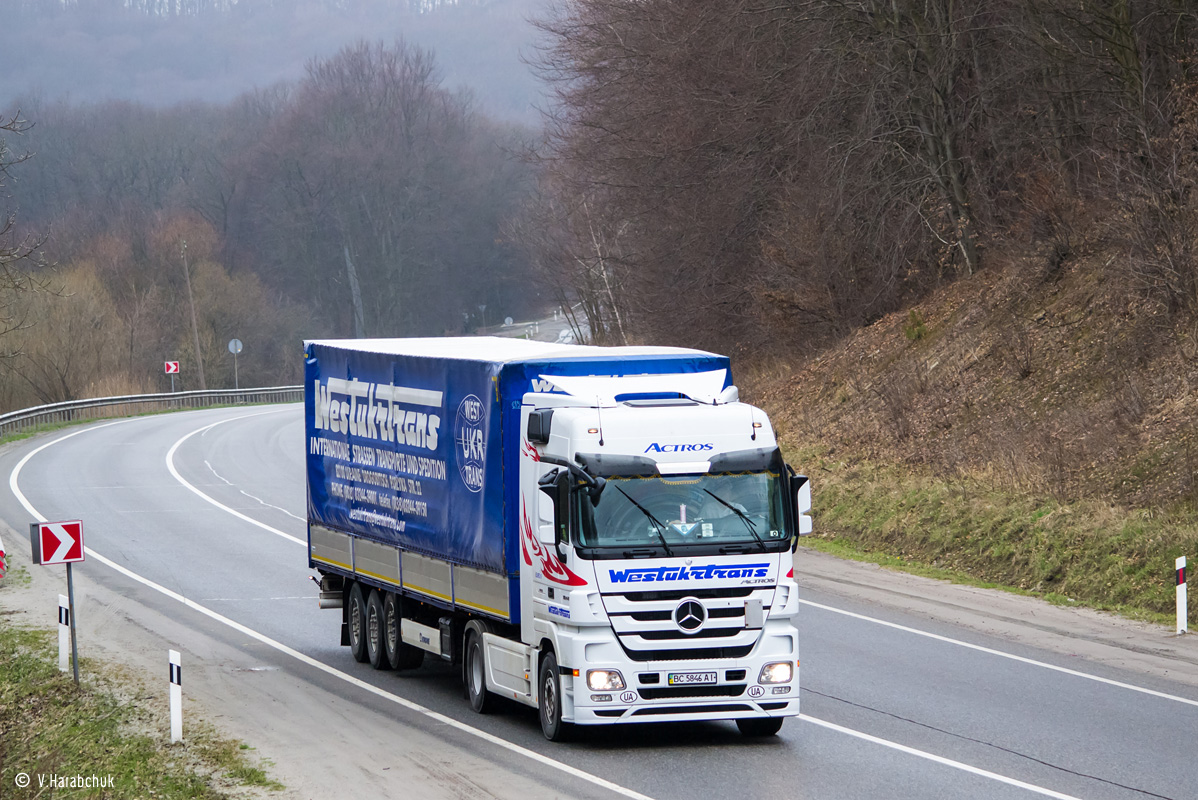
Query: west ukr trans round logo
{"points": [[471, 444]]}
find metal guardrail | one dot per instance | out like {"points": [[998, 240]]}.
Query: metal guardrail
{"points": [[95, 408]]}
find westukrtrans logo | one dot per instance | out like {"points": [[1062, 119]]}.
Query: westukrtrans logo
{"points": [[678, 573], [470, 439]]}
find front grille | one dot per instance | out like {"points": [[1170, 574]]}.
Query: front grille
{"points": [[672, 692], [644, 622]]}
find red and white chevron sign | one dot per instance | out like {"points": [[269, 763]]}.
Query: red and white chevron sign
{"points": [[172, 367], [56, 542], [3, 560]]}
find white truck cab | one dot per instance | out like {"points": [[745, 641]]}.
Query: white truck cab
{"points": [[659, 530]]}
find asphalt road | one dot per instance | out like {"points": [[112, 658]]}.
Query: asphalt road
{"points": [[210, 506]]}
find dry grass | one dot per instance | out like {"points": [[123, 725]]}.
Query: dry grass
{"points": [[1039, 431]]}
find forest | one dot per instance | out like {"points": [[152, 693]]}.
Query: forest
{"points": [[364, 200], [735, 173]]}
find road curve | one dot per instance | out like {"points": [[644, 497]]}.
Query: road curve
{"points": [[198, 518]]}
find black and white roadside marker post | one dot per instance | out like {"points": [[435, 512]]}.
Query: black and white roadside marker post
{"points": [[176, 689], [60, 543], [1182, 613], [64, 632]]}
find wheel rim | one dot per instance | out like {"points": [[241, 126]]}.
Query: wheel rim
{"points": [[549, 692], [476, 669]]}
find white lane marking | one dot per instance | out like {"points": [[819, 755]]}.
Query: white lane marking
{"points": [[948, 762], [308, 660], [1001, 654], [307, 597], [170, 465], [258, 500]]}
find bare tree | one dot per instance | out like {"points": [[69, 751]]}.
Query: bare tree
{"points": [[19, 255]]}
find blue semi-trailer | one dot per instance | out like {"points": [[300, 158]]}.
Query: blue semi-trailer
{"points": [[605, 534]]}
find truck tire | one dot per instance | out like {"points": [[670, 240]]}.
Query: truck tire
{"points": [[476, 674], [549, 700], [355, 616], [759, 727], [400, 654], [376, 651]]}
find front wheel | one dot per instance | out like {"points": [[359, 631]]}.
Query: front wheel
{"points": [[758, 727], [549, 701], [476, 674]]}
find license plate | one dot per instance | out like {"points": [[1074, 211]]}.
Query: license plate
{"points": [[690, 678]]}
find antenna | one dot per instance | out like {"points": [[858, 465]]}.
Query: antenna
{"points": [[755, 424], [599, 413]]}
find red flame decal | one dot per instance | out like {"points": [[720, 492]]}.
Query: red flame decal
{"points": [[531, 451], [551, 567]]}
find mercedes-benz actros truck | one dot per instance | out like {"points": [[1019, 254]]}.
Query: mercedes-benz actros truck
{"points": [[605, 534]]}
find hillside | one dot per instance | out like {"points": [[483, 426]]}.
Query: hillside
{"points": [[1028, 426]]}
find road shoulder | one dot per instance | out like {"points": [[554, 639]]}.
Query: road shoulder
{"points": [[1076, 632]]}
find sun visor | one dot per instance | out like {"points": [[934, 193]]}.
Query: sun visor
{"points": [[702, 387]]}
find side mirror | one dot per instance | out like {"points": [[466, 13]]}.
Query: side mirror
{"points": [[802, 489], [539, 423], [595, 490], [553, 509]]}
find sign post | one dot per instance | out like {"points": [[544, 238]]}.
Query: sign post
{"points": [[60, 543], [172, 369], [235, 348]]}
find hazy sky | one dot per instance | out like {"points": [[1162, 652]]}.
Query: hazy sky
{"points": [[88, 56]]}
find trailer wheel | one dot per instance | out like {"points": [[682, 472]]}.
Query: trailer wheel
{"points": [[355, 616], [476, 674], [549, 700], [400, 654], [376, 651], [758, 727]]}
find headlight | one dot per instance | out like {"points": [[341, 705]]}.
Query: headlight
{"points": [[604, 680], [778, 672]]}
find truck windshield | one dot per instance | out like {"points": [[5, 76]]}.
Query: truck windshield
{"points": [[668, 513]]}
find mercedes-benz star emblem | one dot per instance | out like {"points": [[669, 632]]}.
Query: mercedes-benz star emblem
{"points": [[690, 615]]}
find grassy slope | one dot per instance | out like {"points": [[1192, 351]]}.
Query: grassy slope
{"points": [[110, 727], [1028, 429]]}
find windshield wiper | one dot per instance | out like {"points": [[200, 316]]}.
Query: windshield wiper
{"points": [[657, 526], [743, 518]]}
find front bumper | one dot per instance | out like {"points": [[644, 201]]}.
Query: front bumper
{"points": [[648, 697]]}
